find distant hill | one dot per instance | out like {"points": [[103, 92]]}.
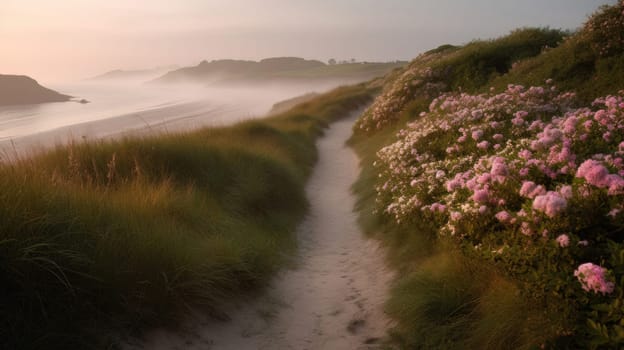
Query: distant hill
{"points": [[283, 106], [138, 74], [277, 68], [21, 90]]}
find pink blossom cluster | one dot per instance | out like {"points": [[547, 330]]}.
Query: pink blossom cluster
{"points": [[417, 78], [563, 240], [594, 278], [598, 175], [551, 203], [558, 158]]}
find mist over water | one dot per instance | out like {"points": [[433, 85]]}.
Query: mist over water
{"points": [[119, 108]]}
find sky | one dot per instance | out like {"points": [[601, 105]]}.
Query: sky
{"points": [[64, 40]]}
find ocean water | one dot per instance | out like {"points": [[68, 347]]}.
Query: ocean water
{"points": [[119, 109]]}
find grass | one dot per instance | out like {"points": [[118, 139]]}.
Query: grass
{"points": [[589, 62], [355, 71], [128, 233], [477, 63], [573, 66]]}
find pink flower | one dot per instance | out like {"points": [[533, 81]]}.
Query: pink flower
{"points": [[563, 240], [566, 191], [503, 216], [529, 189], [593, 172], [483, 145], [517, 121], [499, 168], [550, 203], [526, 229], [484, 178], [481, 196], [525, 154], [598, 175], [438, 207], [477, 134], [594, 278], [569, 126], [453, 184]]}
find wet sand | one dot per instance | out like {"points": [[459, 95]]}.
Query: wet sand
{"points": [[161, 119], [331, 299]]}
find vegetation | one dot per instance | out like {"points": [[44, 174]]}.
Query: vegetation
{"points": [[501, 204], [450, 68], [120, 234], [590, 62]]}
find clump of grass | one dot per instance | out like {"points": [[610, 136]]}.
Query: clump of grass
{"points": [[590, 62], [476, 63], [132, 232]]}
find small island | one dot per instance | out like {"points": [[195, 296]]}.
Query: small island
{"points": [[23, 90]]}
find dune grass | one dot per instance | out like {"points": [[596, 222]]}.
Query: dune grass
{"points": [[589, 62], [117, 235]]}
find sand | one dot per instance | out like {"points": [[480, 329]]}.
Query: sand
{"points": [[331, 299]]}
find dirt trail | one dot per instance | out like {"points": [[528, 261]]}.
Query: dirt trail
{"points": [[332, 298]]}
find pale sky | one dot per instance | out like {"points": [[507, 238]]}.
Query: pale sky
{"points": [[54, 40]]}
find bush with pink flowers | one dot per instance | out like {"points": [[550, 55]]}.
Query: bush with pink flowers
{"points": [[605, 30], [527, 181]]}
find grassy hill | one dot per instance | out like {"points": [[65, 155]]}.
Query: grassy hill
{"points": [[289, 69], [493, 173], [133, 75]]}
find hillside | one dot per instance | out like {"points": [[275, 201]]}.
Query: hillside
{"points": [[272, 69], [22, 90], [139, 74], [494, 173]]}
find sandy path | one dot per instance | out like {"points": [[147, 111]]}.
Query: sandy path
{"points": [[332, 298]]}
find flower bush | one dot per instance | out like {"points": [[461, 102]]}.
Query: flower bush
{"points": [[528, 181], [605, 30], [419, 78]]}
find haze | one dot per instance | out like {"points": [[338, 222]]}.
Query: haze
{"points": [[74, 39]]}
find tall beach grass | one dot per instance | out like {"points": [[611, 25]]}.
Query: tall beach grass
{"points": [[117, 235]]}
